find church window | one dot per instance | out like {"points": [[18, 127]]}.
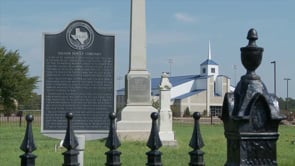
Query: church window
{"points": [[204, 70], [212, 70], [215, 110]]}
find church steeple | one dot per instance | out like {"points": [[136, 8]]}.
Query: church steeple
{"points": [[209, 67]]}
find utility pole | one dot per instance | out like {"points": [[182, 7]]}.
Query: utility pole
{"points": [[275, 79], [119, 78], [287, 79], [235, 74], [170, 61]]}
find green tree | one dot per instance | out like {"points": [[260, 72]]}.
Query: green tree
{"points": [[33, 104], [15, 84], [156, 104]]}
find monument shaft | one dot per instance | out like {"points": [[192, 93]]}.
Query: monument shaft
{"points": [[138, 79], [138, 36]]}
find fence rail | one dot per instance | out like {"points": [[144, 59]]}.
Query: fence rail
{"points": [[37, 119], [17, 121]]}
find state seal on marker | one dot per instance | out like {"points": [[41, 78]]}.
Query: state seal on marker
{"points": [[79, 35]]}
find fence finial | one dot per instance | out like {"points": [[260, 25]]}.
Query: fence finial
{"points": [[154, 143], [252, 37], [70, 142], [113, 142], [196, 143], [28, 144], [251, 56]]}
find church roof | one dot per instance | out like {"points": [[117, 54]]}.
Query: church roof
{"points": [[209, 62], [176, 80], [190, 94]]}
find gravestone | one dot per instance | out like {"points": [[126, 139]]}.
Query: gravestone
{"points": [[79, 77], [251, 116], [165, 121]]}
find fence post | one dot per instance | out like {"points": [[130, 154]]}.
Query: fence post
{"points": [[154, 143], [113, 142], [196, 143], [70, 142], [28, 144], [251, 116]]}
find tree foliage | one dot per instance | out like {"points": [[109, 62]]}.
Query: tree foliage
{"points": [[33, 104], [156, 104], [283, 104], [15, 84]]}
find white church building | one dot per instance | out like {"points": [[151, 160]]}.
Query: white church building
{"points": [[190, 93]]}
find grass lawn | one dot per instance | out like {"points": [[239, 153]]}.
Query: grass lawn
{"points": [[133, 153]]}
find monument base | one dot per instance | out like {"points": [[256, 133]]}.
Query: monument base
{"points": [[133, 135], [89, 135], [135, 123], [168, 138]]}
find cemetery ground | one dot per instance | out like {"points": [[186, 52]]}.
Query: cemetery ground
{"points": [[133, 153]]}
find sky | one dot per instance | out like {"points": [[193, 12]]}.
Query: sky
{"points": [[178, 33]]}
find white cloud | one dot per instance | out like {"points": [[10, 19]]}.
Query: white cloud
{"points": [[184, 17], [168, 37]]}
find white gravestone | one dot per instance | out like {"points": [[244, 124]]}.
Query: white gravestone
{"points": [[165, 130]]}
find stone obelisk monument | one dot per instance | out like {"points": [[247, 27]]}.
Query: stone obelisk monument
{"points": [[135, 121]]}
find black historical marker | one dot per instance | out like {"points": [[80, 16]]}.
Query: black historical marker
{"points": [[78, 78]]}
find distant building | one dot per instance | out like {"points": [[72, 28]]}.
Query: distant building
{"points": [[190, 93]]}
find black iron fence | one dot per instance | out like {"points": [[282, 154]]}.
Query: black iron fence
{"points": [[113, 143]]}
